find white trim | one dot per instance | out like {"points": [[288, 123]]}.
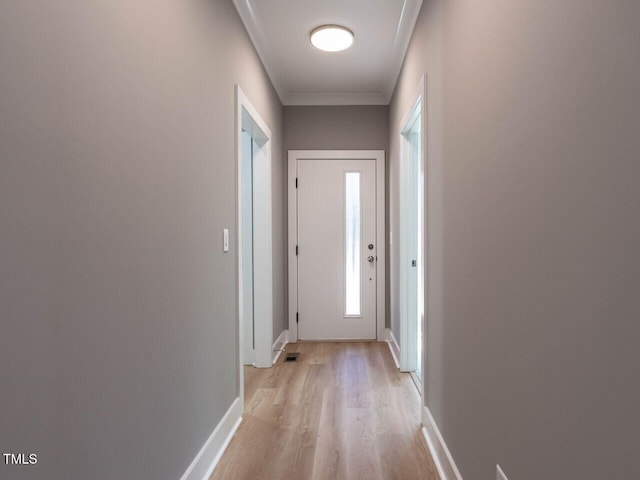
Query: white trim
{"points": [[408, 353], [381, 296], [261, 44], [209, 455], [447, 469], [263, 253], [394, 348], [379, 157], [408, 19], [279, 344], [262, 256], [408, 243], [374, 98]]}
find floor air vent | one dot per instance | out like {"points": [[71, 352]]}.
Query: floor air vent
{"points": [[291, 357]]}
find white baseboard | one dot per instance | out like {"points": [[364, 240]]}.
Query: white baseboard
{"points": [[393, 346], [279, 344], [441, 455], [209, 455]]}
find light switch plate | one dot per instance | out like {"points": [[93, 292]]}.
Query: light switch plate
{"points": [[225, 240], [500, 474]]}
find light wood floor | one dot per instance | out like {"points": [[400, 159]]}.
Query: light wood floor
{"points": [[343, 411]]}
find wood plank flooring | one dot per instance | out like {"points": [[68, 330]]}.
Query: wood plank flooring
{"points": [[343, 411]]}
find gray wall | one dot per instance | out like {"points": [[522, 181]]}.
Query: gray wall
{"points": [[117, 175], [362, 127], [352, 127], [533, 338]]}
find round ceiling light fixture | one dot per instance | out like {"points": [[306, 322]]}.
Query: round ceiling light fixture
{"points": [[331, 38]]}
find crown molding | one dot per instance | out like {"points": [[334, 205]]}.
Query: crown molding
{"points": [[261, 44], [404, 31]]}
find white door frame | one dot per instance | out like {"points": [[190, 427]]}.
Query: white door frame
{"points": [[379, 157], [418, 106], [247, 117]]}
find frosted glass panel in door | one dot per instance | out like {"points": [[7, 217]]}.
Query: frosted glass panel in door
{"points": [[352, 244]]}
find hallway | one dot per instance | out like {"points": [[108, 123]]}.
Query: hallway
{"points": [[342, 411], [163, 223]]}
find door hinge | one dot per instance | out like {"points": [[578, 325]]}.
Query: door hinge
{"points": [[296, 182], [297, 249], [297, 317]]}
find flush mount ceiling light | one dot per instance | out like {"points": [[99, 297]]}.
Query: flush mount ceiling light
{"points": [[331, 38]]}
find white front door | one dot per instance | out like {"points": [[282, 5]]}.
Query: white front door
{"points": [[336, 238]]}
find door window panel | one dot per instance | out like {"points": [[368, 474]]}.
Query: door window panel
{"points": [[353, 306]]}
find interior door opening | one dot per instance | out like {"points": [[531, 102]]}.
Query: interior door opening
{"points": [[247, 246], [254, 241], [412, 244]]}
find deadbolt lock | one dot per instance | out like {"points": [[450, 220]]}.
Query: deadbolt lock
{"points": [[371, 246]]}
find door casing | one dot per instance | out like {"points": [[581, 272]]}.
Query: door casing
{"points": [[408, 326], [247, 117], [328, 155]]}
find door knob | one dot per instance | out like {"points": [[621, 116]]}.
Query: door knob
{"points": [[370, 258]]}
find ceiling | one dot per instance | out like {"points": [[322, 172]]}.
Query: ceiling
{"points": [[364, 74]]}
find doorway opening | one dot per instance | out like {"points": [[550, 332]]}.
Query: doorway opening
{"points": [[249, 146], [412, 228], [254, 226]]}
